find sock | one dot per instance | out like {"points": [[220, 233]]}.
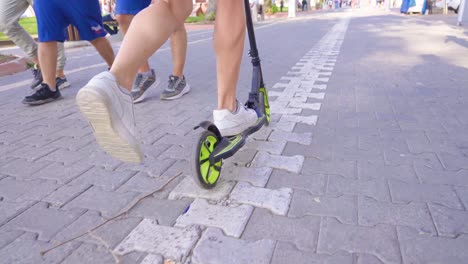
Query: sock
{"points": [[147, 74]]}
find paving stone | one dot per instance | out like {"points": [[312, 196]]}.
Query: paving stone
{"points": [[311, 106], [292, 164], [107, 180], [377, 188], [69, 143], [463, 194], [65, 194], [303, 232], [413, 192], [313, 183], [381, 240], [89, 253], [283, 126], [345, 168], [415, 215], [188, 188], [214, 247], [243, 158], [423, 248], [344, 208], [144, 183], [170, 242], [64, 156], [435, 176], [13, 190], [368, 259], [153, 167], [453, 161], [28, 168], [310, 120], [449, 222], [60, 173], [10, 210], [108, 203], [256, 176], [42, 220], [164, 211], [100, 159], [368, 170], [177, 152], [26, 249], [288, 253], [277, 201], [153, 259], [231, 220], [300, 138], [111, 233], [31, 153], [283, 110], [6, 237], [266, 146]]}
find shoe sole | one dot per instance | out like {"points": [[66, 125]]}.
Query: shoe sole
{"points": [[94, 108], [145, 93], [184, 91]]}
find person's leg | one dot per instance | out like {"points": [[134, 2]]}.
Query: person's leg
{"points": [[48, 62], [104, 49], [61, 59]]}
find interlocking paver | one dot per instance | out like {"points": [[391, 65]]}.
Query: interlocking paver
{"points": [[413, 192], [142, 182], [107, 180], [9, 210], [231, 219], [313, 183], [255, 176], [310, 120], [64, 156], [28, 168], [15, 190], [368, 170], [275, 148], [449, 222], [287, 253], [276, 201], [377, 188], [463, 195], [153, 259], [154, 167], [214, 247], [292, 164], [65, 194], [42, 220], [301, 138], [111, 234], [416, 215], [31, 153], [108, 203], [303, 232], [423, 248], [6, 237], [61, 173], [188, 188], [380, 240], [435, 176], [344, 208], [164, 211], [171, 242], [341, 167]]}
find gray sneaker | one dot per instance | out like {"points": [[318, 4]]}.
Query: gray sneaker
{"points": [[142, 85], [175, 89]]}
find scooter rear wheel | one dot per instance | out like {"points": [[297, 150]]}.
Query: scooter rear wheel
{"points": [[205, 174]]}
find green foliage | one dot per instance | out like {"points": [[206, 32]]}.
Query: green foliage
{"points": [[211, 17], [195, 19], [274, 9]]}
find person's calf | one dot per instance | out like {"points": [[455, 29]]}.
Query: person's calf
{"points": [[104, 48]]}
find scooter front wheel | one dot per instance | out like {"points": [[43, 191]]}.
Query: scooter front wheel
{"points": [[205, 173]]}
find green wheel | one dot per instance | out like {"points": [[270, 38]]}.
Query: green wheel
{"points": [[206, 175], [265, 104]]}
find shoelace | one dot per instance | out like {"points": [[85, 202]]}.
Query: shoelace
{"points": [[42, 91], [172, 83]]}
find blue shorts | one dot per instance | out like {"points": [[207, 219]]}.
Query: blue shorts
{"points": [[130, 7], [54, 16]]}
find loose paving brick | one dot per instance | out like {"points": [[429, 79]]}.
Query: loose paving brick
{"points": [[423, 248], [256, 176], [65, 194], [60, 173], [108, 203], [9, 210], [42, 220], [164, 211], [276, 201], [188, 188], [381, 240], [377, 188], [27, 249], [214, 247], [231, 219], [313, 183], [288, 253], [170, 242], [292, 164], [112, 233], [107, 180], [415, 215], [14, 190], [344, 208], [413, 192], [300, 138], [302, 232], [449, 222]]}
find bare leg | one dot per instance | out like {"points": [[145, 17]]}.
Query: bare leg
{"points": [[124, 23], [104, 48], [179, 51], [48, 60], [154, 24], [229, 36]]}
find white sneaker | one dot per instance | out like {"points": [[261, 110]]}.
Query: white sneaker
{"points": [[230, 124], [109, 110]]}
